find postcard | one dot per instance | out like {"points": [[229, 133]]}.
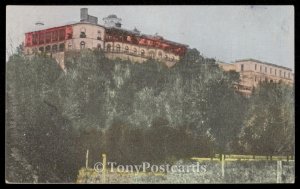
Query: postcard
{"points": [[149, 94]]}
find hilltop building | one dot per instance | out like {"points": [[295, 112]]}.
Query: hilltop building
{"points": [[115, 41], [253, 71]]}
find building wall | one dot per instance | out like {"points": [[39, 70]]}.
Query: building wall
{"points": [[94, 36], [127, 52], [85, 35], [37, 48], [259, 71], [252, 72], [122, 56], [227, 67]]}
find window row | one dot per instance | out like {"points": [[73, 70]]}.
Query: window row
{"points": [[134, 51], [275, 72], [49, 48], [259, 79], [83, 34], [48, 37], [83, 45]]}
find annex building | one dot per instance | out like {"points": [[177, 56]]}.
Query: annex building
{"points": [[254, 71]]}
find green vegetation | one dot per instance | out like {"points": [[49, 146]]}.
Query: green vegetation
{"points": [[134, 113]]}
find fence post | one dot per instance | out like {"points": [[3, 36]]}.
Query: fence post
{"points": [[223, 164], [279, 171], [87, 159], [104, 168]]}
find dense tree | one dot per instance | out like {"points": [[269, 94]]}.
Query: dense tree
{"points": [[269, 124], [38, 134], [133, 113], [192, 56]]}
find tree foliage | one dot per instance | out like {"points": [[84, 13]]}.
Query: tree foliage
{"points": [[134, 113], [269, 123]]}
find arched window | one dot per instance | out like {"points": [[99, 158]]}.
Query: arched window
{"points": [[151, 54], [159, 55], [41, 49], [108, 47], [82, 45], [70, 45], [48, 48], [82, 32], [118, 48], [135, 51], [54, 48], [99, 46], [142, 52], [126, 49], [61, 47]]}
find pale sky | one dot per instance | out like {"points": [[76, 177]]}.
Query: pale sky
{"points": [[225, 33]]}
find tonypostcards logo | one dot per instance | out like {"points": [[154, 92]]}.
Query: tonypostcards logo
{"points": [[148, 167]]}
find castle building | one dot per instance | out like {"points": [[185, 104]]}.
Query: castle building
{"points": [[254, 71], [116, 42]]}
